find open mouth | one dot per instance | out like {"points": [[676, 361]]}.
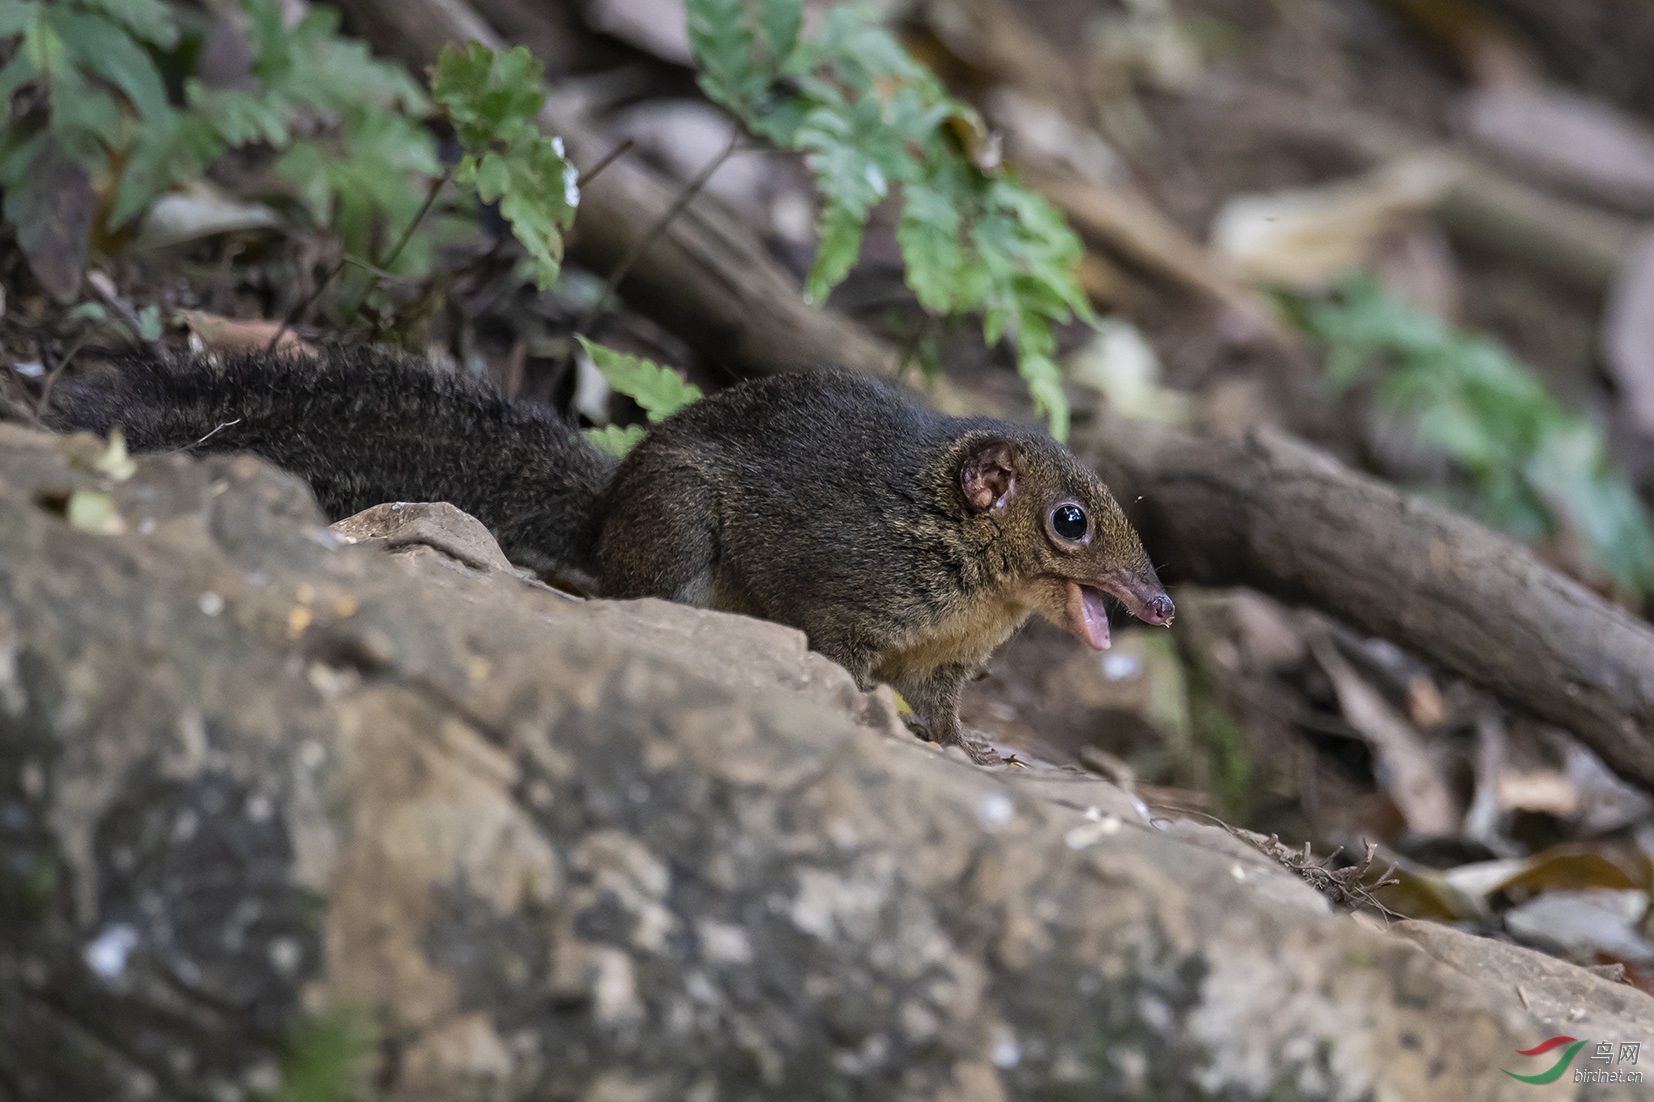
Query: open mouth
{"points": [[1087, 618]]}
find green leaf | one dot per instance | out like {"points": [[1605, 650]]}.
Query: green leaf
{"points": [[310, 65], [659, 391], [99, 46], [1537, 469], [1568, 472], [16, 16], [530, 185], [494, 103], [614, 439], [723, 44], [241, 118], [149, 323], [45, 48], [840, 233], [19, 156], [1035, 348], [306, 166], [148, 20], [363, 169], [172, 148], [869, 118], [18, 71], [780, 22], [488, 99], [928, 234], [84, 122]]}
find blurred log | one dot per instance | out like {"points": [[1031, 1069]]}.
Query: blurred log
{"points": [[1267, 511], [705, 277], [552, 32], [1574, 242]]}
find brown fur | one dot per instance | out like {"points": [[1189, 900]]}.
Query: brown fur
{"points": [[906, 545]]}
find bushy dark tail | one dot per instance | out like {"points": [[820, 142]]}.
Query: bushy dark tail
{"points": [[365, 427]]}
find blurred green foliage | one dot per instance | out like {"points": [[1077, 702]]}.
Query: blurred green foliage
{"points": [[347, 126], [88, 84], [1537, 470], [329, 1059], [494, 103], [869, 118]]}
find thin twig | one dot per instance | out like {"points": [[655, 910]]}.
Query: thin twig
{"points": [[639, 246], [298, 311], [51, 376], [382, 271], [105, 292], [210, 435], [910, 348], [407, 235], [373, 269], [609, 158], [424, 208]]}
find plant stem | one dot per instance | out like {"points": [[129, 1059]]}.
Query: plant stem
{"points": [[298, 311], [609, 158], [377, 270], [424, 208], [51, 377], [639, 246]]}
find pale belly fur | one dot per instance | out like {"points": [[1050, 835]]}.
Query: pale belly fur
{"points": [[965, 638]]}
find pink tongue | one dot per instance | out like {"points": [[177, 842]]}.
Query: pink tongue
{"points": [[1093, 618]]}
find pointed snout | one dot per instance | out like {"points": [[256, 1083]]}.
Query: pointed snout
{"points": [[1144, 598], [1158, 610]]}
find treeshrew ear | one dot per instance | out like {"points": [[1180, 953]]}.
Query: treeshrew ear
{"points": [[988, 476]]}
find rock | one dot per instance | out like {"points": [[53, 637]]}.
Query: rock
{"points": [[1563, 998], [434, 524], [273, 804]]}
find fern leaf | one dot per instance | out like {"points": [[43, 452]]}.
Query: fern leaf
{"points": [[659, 391]]}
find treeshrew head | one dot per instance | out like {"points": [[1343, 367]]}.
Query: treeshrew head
{"points": [[1068, 537]]}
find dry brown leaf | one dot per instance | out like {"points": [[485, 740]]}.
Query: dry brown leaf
{"points": [[60, 204], [1309, 238], [1407, 769], [197, 211], [1586, 924], [1419, 892], [1560, 868], [1546, 790], [1424, 701], [243, 334]]}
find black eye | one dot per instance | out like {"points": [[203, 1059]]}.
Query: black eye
{"points": [[1068, 521]]}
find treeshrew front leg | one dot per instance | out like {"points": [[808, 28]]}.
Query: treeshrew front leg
{"points": [[934, 699]]}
